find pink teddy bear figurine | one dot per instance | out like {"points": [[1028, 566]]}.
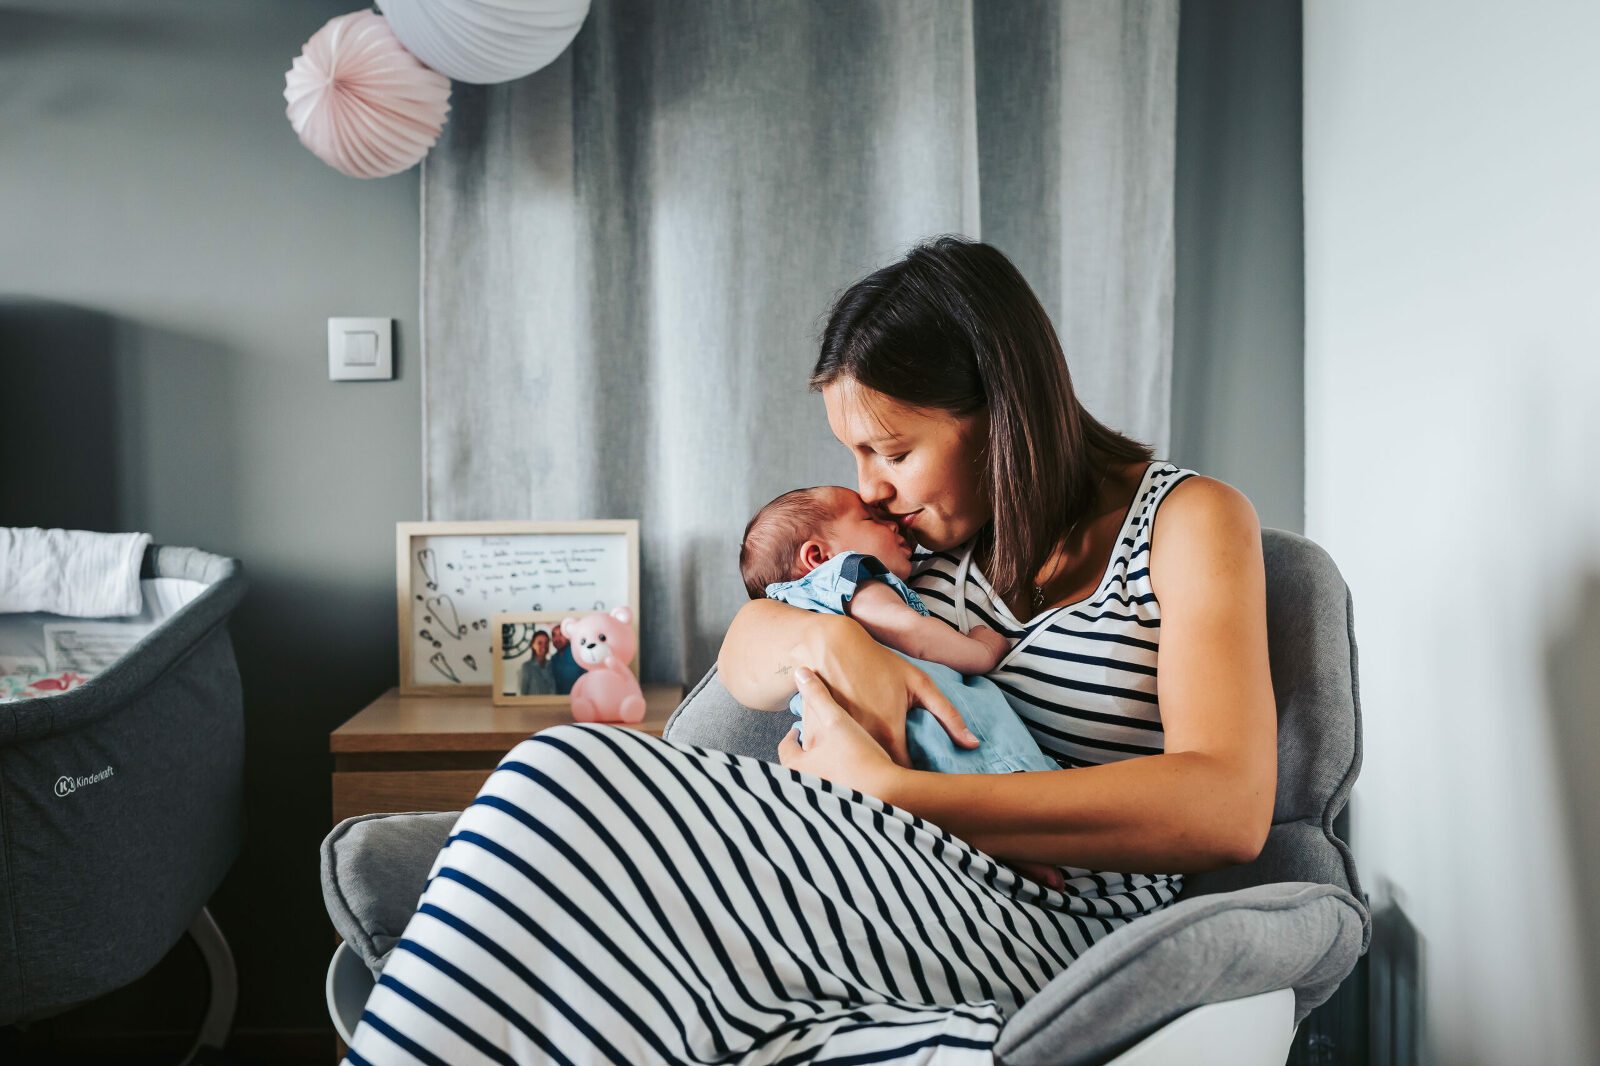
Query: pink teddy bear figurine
{"points": [[604, 644]]}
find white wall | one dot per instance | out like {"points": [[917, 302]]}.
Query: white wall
{"points": [[1452, 173]]}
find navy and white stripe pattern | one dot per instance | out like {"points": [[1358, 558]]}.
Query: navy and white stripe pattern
{"points": [[1081, 675], [611, 897]]}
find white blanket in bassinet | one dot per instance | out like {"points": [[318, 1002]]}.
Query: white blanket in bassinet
{"points": [[70, 572]]}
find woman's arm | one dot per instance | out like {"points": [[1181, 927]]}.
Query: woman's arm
{"points": [[766, 641], [1180, 812], [1207, 801], [876, 687]]}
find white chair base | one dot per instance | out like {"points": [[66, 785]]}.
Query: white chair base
{"points": [[347, 988], [1254, 1031]]}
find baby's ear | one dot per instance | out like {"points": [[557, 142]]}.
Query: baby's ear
{"points": [[813, 553]]}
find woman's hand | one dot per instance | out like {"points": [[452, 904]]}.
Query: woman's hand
{"points": [[836, 748], [876, 687]]}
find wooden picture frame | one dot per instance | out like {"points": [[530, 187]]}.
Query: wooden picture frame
{"points": [[451, 578]]}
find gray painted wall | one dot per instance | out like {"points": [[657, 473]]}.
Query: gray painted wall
{"points": [[170, 254], [1238, 404]]}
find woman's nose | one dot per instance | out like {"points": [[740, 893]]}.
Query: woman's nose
{"points": [[874, 490]]}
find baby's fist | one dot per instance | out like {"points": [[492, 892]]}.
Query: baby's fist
{"points": [[997, 645]]}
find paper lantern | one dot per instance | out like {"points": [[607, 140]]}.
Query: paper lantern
{"points": [[361, 102], [485, 41]]}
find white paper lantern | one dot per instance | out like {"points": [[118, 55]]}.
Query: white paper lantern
{"points": [[485, 41], [361, 102]]}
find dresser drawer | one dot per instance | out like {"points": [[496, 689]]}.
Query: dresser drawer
{"points": [[373, 792]]}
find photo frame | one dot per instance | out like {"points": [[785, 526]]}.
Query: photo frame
{"points": [[517, 681], [451, 578]]}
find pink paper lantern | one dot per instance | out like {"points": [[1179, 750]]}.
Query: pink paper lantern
{"points": [[361, 102]]}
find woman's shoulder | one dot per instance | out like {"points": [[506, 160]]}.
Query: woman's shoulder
{"points": [[1203, 526], [1198, 496]]}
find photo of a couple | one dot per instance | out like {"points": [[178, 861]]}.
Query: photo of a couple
{"points": [[538, 660]]}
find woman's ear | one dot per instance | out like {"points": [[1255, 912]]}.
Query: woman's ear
{"points": [[813, 553]]}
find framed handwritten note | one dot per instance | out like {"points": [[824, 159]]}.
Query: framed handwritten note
{"points": [[453, 577]]}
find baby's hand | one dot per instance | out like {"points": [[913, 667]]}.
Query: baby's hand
{"points": [[997, 644]]}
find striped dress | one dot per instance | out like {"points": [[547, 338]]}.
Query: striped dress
{"points": [[611, 897]]}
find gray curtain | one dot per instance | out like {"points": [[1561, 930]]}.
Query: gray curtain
{"points": [[629, 255]]}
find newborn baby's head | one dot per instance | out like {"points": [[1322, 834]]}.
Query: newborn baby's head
{"points": [[802, 529]]}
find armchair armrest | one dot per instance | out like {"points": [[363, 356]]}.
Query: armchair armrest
{"points": [[374, 868], [1209, 949]]}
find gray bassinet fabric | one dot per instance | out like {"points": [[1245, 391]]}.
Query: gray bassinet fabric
{"points": [[121, 803]]}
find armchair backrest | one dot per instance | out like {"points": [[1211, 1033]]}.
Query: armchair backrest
{"points": [[1312, 646]]}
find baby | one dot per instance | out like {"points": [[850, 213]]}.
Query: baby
{"points": [[822, 549]]}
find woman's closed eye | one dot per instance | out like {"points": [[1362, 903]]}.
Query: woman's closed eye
{"points": [[895, 460]]}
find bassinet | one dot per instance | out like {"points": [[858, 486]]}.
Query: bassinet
{"points": [[121, 799]]}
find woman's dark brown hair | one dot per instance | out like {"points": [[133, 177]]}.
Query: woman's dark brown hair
{"points": [[954, 326]]}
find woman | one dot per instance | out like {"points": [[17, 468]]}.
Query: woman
{"points": [[614, 897], [943, 376]]}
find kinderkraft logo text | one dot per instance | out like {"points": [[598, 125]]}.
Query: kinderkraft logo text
{"points": [[66, 786]]}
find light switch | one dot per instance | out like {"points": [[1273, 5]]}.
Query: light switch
{"points": [[360, 349]]}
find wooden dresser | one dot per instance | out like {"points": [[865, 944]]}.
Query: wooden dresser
{"points": [[433, 753]]}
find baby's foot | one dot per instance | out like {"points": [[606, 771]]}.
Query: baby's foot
{"points": [[1045, 875]]}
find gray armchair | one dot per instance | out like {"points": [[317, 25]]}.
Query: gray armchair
{"points": [[1225, 974]]}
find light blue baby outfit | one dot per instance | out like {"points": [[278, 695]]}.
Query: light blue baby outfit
{"points": [[1005, 743]]}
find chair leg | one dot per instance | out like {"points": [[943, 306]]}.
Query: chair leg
{"points": [[224, 984]]}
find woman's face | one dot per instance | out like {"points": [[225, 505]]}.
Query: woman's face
{"points": [[921, 465]]}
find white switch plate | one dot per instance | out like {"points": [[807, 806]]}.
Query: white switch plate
{"points": [[360, 349]]}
